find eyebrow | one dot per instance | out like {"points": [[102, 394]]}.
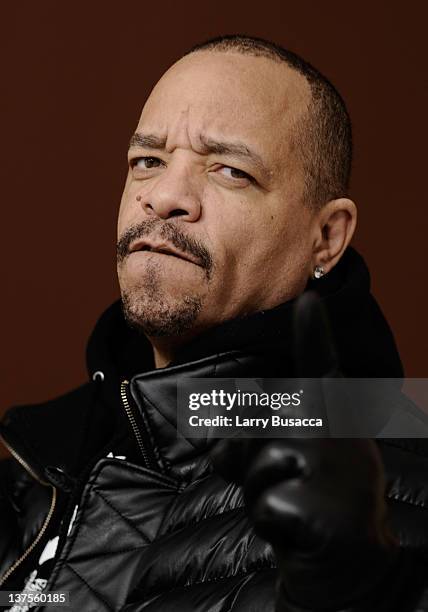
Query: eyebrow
{"points": [[148, 141], [209, 145]]}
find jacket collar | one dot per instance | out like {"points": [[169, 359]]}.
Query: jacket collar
{"points": [[155, 395]]}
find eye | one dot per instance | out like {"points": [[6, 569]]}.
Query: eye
{"points": [[145, 163], [235, 173]]}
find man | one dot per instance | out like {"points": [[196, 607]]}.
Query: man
{"points": [[235, 204]]}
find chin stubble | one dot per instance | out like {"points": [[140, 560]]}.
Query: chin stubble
{"points": [[156, 318], [146, 307]]}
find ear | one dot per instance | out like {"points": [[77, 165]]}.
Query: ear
{"points": [[335, 226]]}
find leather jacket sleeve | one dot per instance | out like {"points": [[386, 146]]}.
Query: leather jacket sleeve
{"points": [[405, 589], [10, 486], [23, 506]]}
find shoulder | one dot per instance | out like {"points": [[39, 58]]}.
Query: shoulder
{"points": [[49, 433], [14, 481]]}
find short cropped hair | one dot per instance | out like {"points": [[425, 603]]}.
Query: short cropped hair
{"points": [[324, 137]]}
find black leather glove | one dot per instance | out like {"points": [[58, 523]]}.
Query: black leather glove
{"points": [[319, 502]]}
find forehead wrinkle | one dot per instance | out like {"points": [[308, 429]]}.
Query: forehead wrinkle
{"points": [[204, 145], [178, 131]]}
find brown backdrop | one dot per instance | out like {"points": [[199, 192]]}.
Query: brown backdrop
{"points": [[74, 80]]}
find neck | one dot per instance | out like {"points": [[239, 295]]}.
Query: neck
{"points": [[162, 358], [164, 350]]}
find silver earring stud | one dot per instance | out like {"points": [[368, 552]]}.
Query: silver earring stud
{"points": [[318, 272]]}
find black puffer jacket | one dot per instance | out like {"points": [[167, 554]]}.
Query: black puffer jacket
{"points": [[161, 531]]}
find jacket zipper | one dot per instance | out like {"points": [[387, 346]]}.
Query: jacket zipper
{"points": [[131, 417], [46, 522]]}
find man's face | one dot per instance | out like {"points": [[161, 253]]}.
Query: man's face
{"points": [[211, 223]]}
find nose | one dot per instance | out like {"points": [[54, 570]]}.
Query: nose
{"points": [[174, 193]]}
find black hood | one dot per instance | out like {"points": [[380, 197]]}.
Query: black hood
{"points": [[364, 341]]}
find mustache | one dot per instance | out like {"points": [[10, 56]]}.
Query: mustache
{"points": [[167, 231]]}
